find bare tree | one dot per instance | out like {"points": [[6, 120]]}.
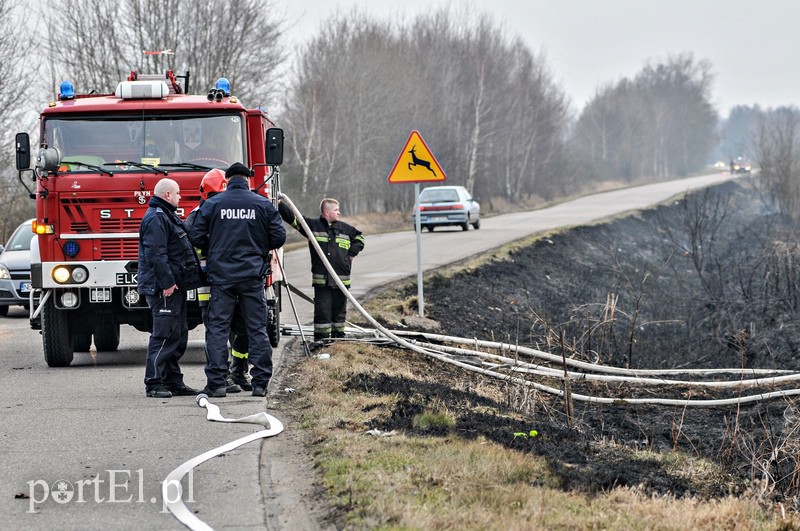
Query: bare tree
{"points": [[238, 39], [14, 204], [97, 43], [83, 46], [658, 125], [482, 102], [778, 156]]}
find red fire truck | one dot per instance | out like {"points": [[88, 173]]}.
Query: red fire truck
{"points": [[99, 157]]}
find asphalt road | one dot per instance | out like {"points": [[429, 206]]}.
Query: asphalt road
{"points": [[89, 431], [390, 257]]}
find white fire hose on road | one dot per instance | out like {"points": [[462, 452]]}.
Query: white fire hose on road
{"points": [[171, 489]]}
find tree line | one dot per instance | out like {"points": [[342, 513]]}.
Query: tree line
{"points": [[660, 124], [488, 107]]}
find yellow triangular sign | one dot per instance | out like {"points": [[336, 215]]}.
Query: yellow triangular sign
{"points": [[416, 163]]}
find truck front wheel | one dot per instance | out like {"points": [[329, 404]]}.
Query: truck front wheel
{"points": [[56, 340]]}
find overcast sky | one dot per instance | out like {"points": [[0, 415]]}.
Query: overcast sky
{"points": [[753, 46]]}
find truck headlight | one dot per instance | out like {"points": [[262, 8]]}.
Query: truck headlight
{"points": [[61, 275], [64, 274], [79, 275]]}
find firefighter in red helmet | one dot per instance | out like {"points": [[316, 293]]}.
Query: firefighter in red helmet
{"points": [[213, 183]]}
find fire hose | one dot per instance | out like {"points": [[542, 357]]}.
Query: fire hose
{"points": [[493, 365], [171, 489], [513, 365]]}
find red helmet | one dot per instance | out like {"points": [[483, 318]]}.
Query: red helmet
{"points": [[213, 182]]}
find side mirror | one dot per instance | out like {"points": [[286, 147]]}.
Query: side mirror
{"points": [[23, 150], [274, 146]]}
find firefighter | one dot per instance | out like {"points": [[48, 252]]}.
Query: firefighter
{"points": [[168, 267], [341, 243], [240, 229], [240, 347]]}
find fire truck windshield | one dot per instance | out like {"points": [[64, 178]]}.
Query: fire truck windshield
{"points": [[193, 142]]}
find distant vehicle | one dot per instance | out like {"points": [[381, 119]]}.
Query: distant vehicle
{"points": [[740, 165], [720, 165], [448, 205], [15, 268]]}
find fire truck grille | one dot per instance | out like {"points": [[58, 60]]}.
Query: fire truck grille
{"points": [[124, 249], [79, 226], [120, 225]]}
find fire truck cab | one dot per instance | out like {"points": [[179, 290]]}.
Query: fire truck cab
{"points": [[99, 158]]}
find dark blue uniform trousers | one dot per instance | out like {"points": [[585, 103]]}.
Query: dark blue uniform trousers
{"points": [[168, 339], [253, 305]]}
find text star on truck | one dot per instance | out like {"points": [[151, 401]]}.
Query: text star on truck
{"points": [[99, 158]]}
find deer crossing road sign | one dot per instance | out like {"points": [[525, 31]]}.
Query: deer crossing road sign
{"points": [[416, 163]]}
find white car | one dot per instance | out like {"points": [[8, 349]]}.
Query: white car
{"points": [[448, 205], [15, 268]]}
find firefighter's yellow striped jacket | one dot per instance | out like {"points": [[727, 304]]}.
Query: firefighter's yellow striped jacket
{"points": [[338, 240]]}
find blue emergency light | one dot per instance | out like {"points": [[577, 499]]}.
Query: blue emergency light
{"points": [[224, 85], [71, 248], [66, 91]]}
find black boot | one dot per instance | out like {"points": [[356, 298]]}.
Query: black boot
{"points": [[230, 385], [240, 373]]}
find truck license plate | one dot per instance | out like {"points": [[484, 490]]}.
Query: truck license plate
{"points": [[126, 279]]}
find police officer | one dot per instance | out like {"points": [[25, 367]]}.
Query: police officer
{"points": [[240, 229], [341, 243], [168, 267], [213, 183]]}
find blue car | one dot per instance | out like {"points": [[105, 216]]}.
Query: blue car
{"points": [[15, 268], [441, 206]]}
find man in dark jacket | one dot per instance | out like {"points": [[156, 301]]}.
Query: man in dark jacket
{"points": [[341, 243], [240, 229], [213, 183], [168, 266]]}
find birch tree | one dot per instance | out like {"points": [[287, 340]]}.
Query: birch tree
{"points": [[485, 105]]}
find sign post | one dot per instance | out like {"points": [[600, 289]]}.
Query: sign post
{"points": [[415, 165], [418, 231]]}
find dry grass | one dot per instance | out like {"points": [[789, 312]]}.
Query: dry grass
{"points": [[414, 481], [366, 223], [404, 481], [380, 223]]}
